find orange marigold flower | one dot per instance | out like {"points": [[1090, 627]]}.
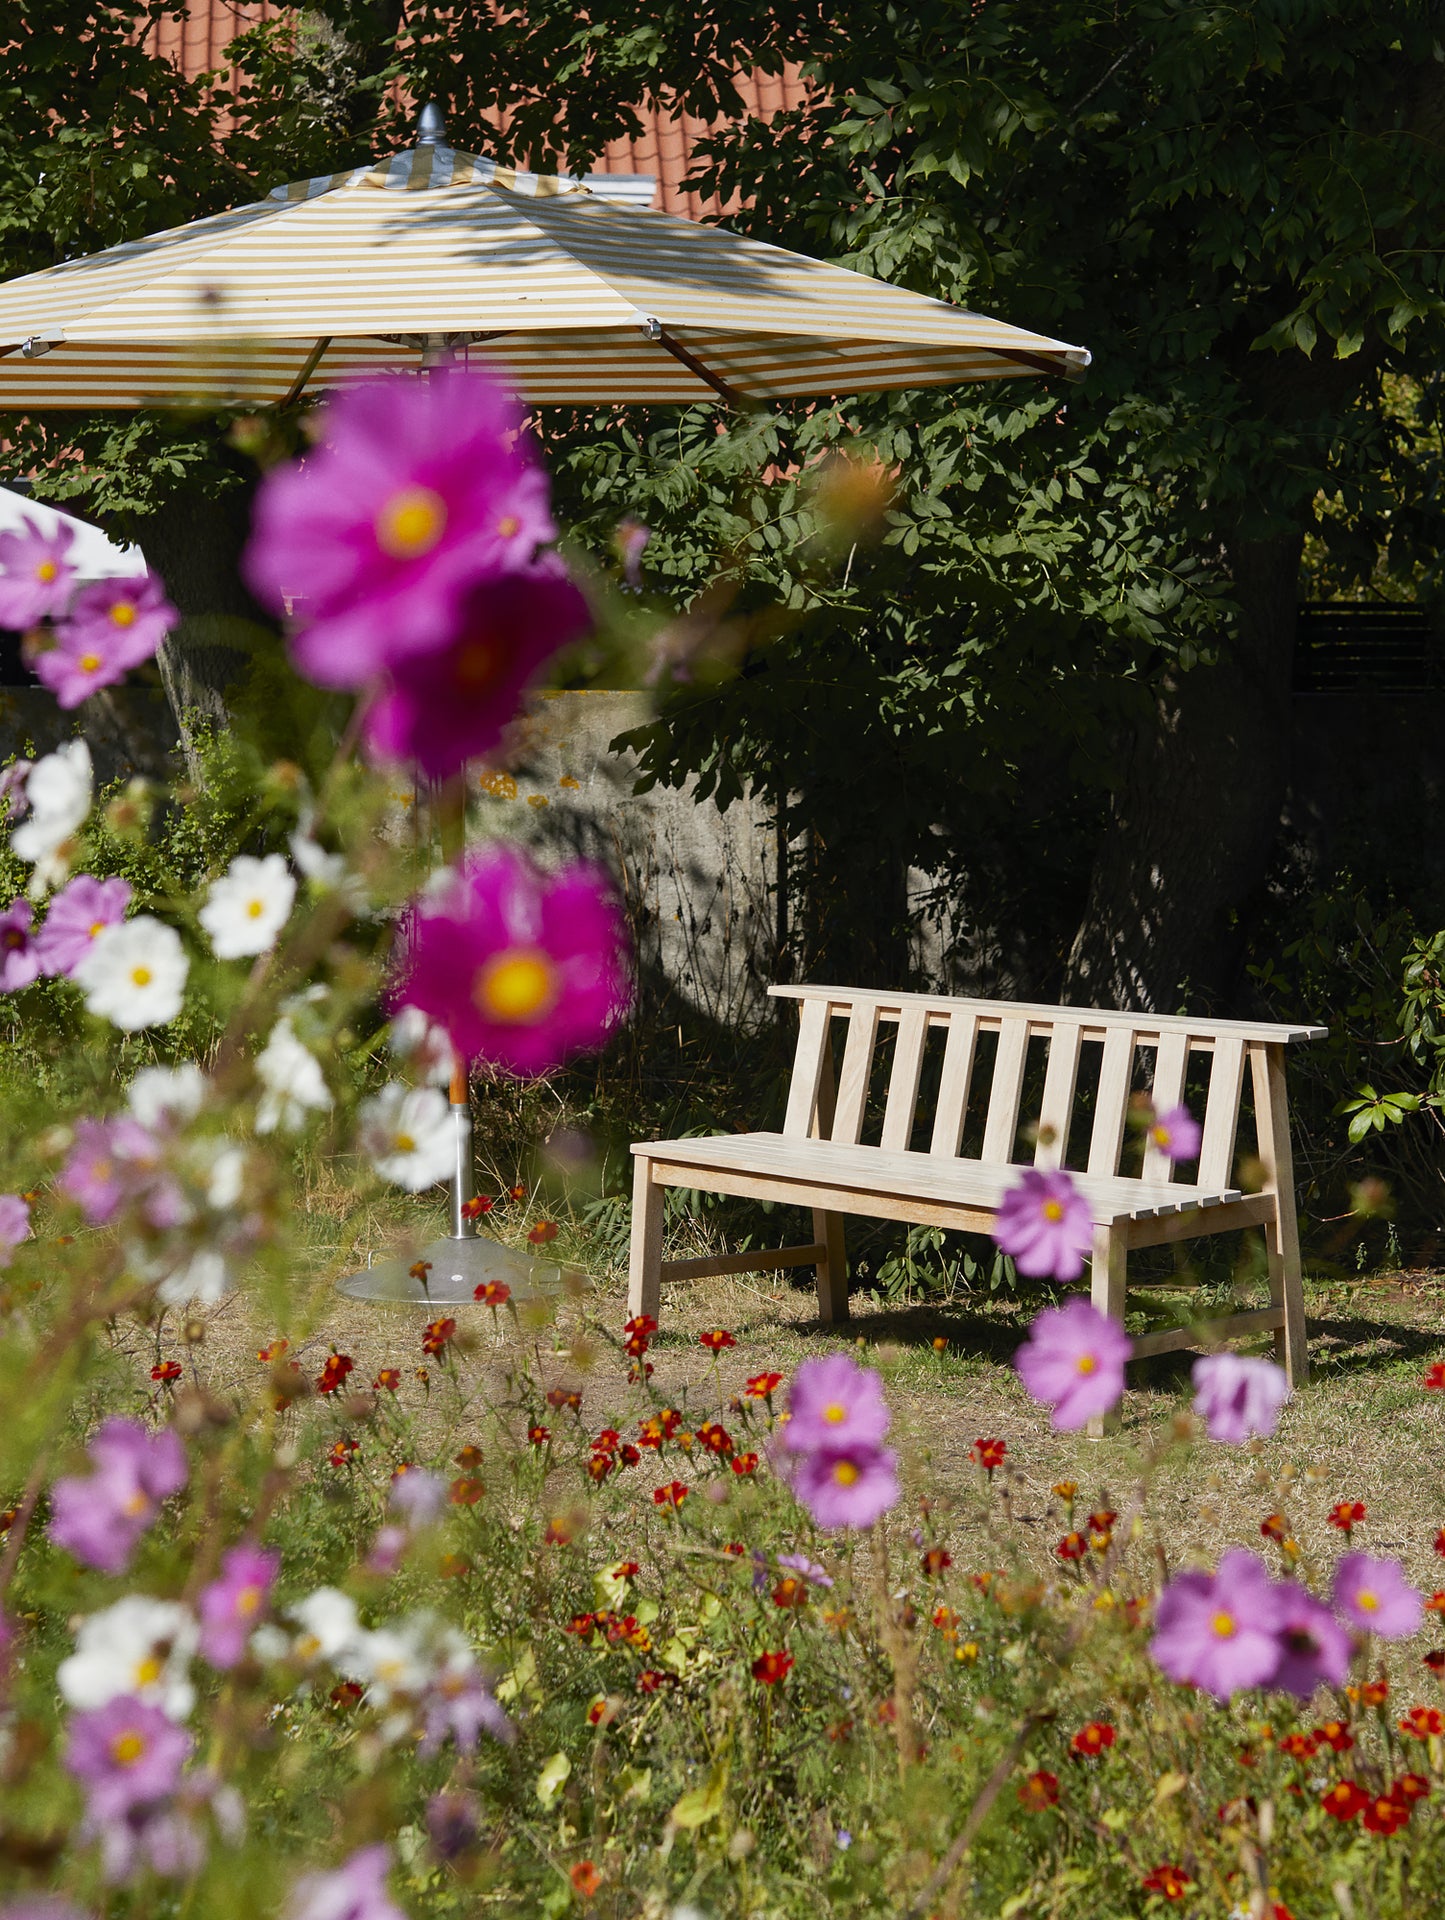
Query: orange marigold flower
{"points": [[672, 1495], [452, 1566], [387, 1381], [945, 1619], [343, 1452], [1066, 1489], [493, 1293], [1344, 1800], [1300, 1746], [1435, 1376], [1386, 1816], [1336, 1734], [516, 1193], [1073, 1546], [743, 1463], [1173, 1882], [770, 1669], [560, 1397], [716, 1339], [585, 1879], [1436, 1602], [167, 1371], [466, 1491], [790, 1592], [988, 1454], [1039, 1791], [735, 1550], [1274, 1526], [715, 1438], [1423, 1723], [1409, 1788], [599, 1466], [474, 1209], [1346, 1514], [762, 1386], [539, 1435], [543, 1232], [558, 1531], [1092, 1738], [419, 1269], [469, 1456], [651, 1681], [332, 1376], [1373, 1693], [934, 1560], [421, 1374], [625, 1570], [273, 1352], [598, 1712], [438, 1337]]}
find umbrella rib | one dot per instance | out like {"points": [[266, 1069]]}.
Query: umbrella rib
{"points": [[308, 367], [704, 373]]}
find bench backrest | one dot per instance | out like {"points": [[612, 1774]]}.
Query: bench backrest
{"points": [[1136, 1053]]}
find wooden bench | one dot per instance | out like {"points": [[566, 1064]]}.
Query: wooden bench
{"points": [[912, 1168]]}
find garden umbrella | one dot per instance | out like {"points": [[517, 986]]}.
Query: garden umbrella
{"points": [[565, 288]]}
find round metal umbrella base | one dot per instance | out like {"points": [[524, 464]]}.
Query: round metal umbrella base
{"points": [[458, 1268]]}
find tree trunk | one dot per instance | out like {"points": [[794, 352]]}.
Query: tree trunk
{"points": [[1197, 812]]}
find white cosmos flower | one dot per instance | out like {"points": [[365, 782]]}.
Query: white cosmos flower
{"points": [[389, 1661], [58, 789], [408, 1134], [293, 1081], [328, 1622], [205, 1277], [248, 906], [135, 973], [166, 1096], [425, 1047], [139, 1646]]}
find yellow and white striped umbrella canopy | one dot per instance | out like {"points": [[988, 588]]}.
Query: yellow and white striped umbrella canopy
{"points": [[569, 297]]}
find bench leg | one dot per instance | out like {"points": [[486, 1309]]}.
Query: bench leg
{"points": [[832, 1269], [644, 1267], [1286, 1289], [1108, 1281]]}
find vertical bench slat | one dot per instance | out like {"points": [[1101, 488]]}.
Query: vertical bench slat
{"points": [[1171, 1064], [958, 1052], [854, 1075], [1116, 1073], [1057, 1107], [903, 1081], [1221, 1113], [813, 1039], [1007, 1090]]}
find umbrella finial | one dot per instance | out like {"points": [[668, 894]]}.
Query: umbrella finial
{"points": [[431, 129]]}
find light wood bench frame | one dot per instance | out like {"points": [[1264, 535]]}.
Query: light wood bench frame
{"points": [[818, 1163]]}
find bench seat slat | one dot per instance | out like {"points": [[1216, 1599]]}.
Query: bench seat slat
{"points": [[965, 1182]]}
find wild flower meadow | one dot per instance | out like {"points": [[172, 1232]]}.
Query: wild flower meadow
{"points": [[532, 1619]]}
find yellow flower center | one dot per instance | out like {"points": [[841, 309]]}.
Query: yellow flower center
{"points": [[89, 662], [411, 523], [1223, 1625], [404, 1143], [835, 1413], [46, 571], [1086, 1363], [96, 926], [127, 1748], [476, 666], [845, 1473], [508, 525], [147, 1671], [1369, 1601], [390, 1671], [248, 1601], [516, 986], [141, 976], [308, 1646], [123, 614], [1160, 1136], [137, 1504], [254, 909], [1053, 1210]]}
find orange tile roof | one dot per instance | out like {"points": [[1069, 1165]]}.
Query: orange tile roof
{"points": [[195, 42]]}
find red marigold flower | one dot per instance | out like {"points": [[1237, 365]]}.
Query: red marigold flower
{"points": [[273, 1352], [934, 1560], [343, 1452], [560, 1397], [1409, 1788], [452, 1566], [558, 1531], [1039, 1791], [332, 1376], [474, 1208], [1103, 1520], [600, 1711], [1300, 1746], [651, 1681], [627, 1455], [469, 1456], [539, 1435], [1274, 1526], [1336, 1734], [167, 1371], [466, 1491], [1344, 1800], [345, 1694], [585, 1879], [642, 1371], [716, 1339], [1092, 1738], [581, 1624], [607, 1441], [635, 1346], [715, 1438], [1436, 1602], [1435, 1376], [1440, 1542], [387, 1381], [1435, 1661], [599, 1466], [1073, 1546], [544, 1232], [735, 1550], [420, 1373], [1385, 1816], [1374, 1693], [762, 1386], [438, 1336], [744, 1463], [1173, 1882], [419, 1269], [641, 1326], [790, 1592], [672, 1495], [1346, 1514], [516, 1193], [770, 1669], [1423, 1723], [493, 1293], [988, 1454]]}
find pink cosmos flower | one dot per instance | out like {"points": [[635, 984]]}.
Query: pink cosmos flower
{"points": [[631, 540], [1314, 1649], [845, 1486], [1218, 1632], [1176, 1134], [14, 1225], [355, 1891], [230, 1607], [37, 578], [19, 960], [80, 911], [458, 1705], [1044, 1225], [126, 1755], [41, 1906], [100, 1517], [439, 709], [522, 969], [833, 1402], [1237, 1396], [421, 488], [1373, 1596], [111, 1161], [1073, 1361], [113, 626]]}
